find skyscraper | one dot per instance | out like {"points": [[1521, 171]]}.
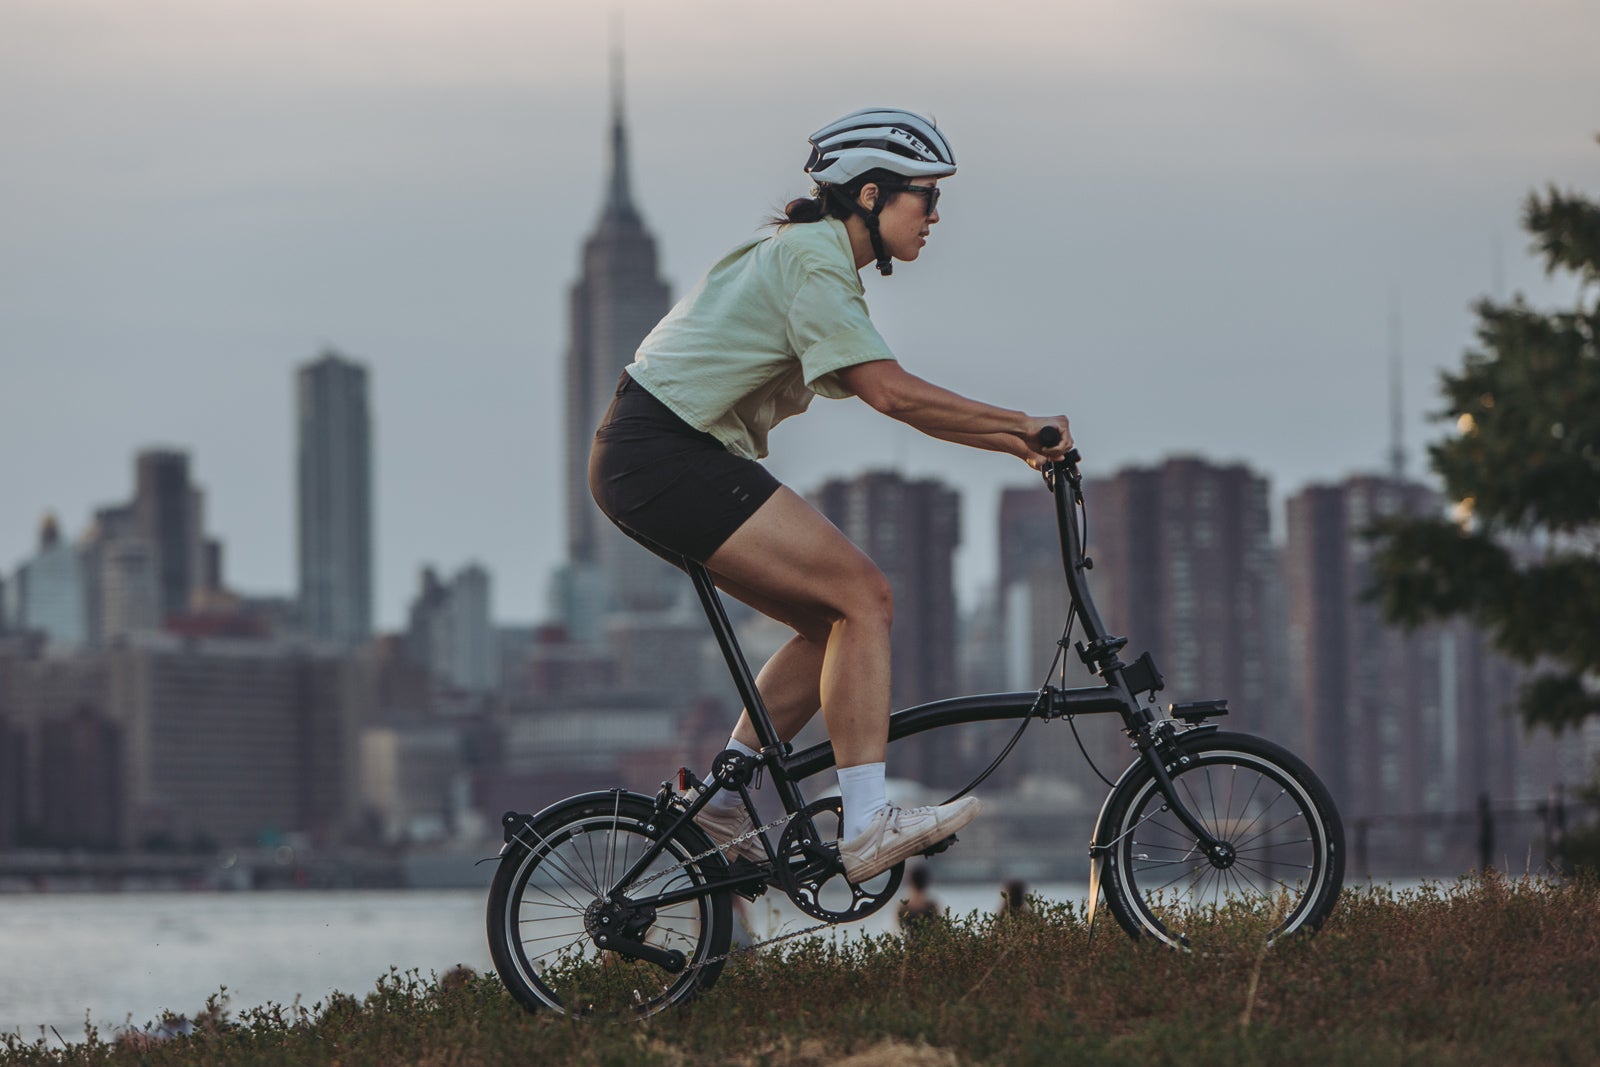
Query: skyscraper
{"points": [[47, 595], [167, 511], [911, 529], [1031, 596], [1183, 566], [334, 444], [616, 300], [143, 561], [451, 633]]}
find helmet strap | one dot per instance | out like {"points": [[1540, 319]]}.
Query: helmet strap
{"points": [[885, 263]]}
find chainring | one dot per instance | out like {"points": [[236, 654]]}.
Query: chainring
{"points": [[810, 872]]}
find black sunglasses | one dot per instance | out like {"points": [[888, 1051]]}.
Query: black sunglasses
{"points": [[929, 194]]}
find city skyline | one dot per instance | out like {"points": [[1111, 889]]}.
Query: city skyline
{"points": [[1211, 231], [23, 555]]}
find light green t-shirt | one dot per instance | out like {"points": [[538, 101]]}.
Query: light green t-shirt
{"points": [[760, 334]]}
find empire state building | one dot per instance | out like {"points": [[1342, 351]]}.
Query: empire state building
{"points": [[616, 300]]}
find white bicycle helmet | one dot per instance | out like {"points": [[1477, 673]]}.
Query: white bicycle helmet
{"points": [[877, 138], [890, 138]]}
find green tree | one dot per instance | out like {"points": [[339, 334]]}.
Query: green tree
{"points": [[1521, 557]]}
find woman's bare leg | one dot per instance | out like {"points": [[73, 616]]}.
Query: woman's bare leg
{"points": [[791, 688], [793, 564]]}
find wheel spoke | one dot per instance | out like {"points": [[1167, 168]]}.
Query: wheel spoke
{"points": [[1262, 813], [1291, 817], [1262, 848], [1251, 797], [576, 941], [1271, 878], [566, 936], [1199, 870], [576, 904], [1194, 801], [1212, 793], [549, 855], [616, 809]]}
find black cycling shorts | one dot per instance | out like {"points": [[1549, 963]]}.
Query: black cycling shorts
{"points": [[673, 488]]}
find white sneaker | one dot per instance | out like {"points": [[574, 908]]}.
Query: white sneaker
{"points": [[724, 824], [897, 834]]}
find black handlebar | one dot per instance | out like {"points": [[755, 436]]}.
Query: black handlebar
{"points": [[1049, 437]]}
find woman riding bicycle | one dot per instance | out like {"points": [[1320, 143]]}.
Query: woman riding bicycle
{"points": [[776, 321]]}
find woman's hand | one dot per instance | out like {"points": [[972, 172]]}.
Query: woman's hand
{"points": [[1039, 455]]}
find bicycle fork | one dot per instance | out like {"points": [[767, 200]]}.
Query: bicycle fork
{"points": [[1153, 741]]}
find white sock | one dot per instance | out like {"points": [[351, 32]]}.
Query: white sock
{"points": [[864, 794], [728, 799]]}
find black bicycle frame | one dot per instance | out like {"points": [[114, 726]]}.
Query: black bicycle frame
{"points": [[1098, 650]]}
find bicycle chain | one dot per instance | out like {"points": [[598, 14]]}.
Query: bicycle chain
{"points": [[761, 944], [774, 824], [713, 850]]}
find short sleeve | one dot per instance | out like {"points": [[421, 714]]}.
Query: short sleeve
{"points": [[830, 329]]}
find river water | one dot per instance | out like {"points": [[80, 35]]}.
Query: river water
{"points": [[124, 958]]}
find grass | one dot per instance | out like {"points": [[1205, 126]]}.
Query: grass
{"points": [[1488, 971]]}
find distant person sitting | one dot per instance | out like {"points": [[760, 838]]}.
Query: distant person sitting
{"points": [[1013, 899], [918, 910]]}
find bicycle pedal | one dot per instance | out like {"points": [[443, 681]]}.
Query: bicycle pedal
{"points": [[939, 846]]}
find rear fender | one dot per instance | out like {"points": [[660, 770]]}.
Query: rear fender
{"points": [[517, 825]]}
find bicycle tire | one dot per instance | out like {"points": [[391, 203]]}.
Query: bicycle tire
{"points": [[557, 871], [1265, 802]]}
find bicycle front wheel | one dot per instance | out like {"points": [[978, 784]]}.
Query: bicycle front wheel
{"points": [[551, 898], [1285, 864]]}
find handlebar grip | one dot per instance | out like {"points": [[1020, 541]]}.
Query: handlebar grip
{"points": [[1050, 437]]}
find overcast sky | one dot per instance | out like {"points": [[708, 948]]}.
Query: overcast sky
{"points": [[1180, 222]]}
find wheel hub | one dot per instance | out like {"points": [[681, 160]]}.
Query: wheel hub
{"points": [[606, 918], [1223, 856]]}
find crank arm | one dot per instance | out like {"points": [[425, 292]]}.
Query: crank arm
{"points": [[669, 960]]}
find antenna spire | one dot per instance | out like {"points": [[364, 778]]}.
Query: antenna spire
{"points": [[619, 197]]}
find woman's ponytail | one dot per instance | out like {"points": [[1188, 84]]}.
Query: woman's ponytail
{"points": [[832, 201], [801, 209], [804, 209]]}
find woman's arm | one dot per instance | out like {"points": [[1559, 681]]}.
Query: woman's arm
{"points": [[994, 442], [890, 388]]}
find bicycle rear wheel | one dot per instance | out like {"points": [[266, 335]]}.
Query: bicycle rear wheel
{"points": [[1287, 843], [550, 897]]}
